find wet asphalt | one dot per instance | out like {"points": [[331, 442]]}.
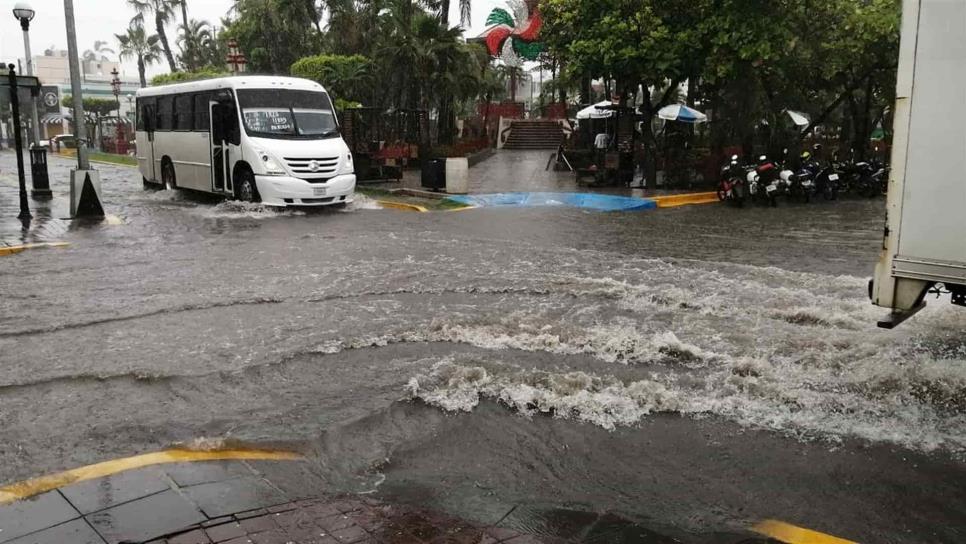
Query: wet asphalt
{"points": [[694, 370]]}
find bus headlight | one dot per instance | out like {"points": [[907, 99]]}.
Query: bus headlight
{"points": [[272, 167]]}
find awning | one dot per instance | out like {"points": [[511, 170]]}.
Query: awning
{"points": [[54, 118]]}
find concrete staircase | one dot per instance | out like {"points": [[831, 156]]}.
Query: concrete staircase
{"points": [[536, 134]]}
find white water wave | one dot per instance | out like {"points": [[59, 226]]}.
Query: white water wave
{"points": [[574, 395], [752, 393]]}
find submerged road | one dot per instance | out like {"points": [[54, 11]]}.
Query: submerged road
{"points": [[695, 370]]}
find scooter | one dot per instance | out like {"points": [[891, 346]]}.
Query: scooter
{"points": [[731, 188]]}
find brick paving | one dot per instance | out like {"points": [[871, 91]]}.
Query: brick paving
{"points": [[47, 224], [341, 520], [225, 501]]}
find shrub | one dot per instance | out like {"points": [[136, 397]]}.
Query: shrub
{"points": [[182, 77]]}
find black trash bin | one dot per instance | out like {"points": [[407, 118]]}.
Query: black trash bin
{"points": [[434, 174], [38, 171]]}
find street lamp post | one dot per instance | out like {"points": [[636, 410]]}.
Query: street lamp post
{"points": [[118, 132], [38, 155]]}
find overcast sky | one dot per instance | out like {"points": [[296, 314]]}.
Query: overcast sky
{"points": [[101, 19]]}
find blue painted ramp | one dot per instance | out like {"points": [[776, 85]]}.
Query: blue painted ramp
{"points": [[588, 201]]}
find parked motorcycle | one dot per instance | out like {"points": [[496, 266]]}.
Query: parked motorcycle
{"points": [[764, 182], [731, 188], [863, 178]]}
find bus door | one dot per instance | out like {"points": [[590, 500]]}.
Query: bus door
{"points": [[220, 166], [224, 135], [144, 138]]}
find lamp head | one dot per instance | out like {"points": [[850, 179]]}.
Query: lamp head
{"points": [[24, 13]]}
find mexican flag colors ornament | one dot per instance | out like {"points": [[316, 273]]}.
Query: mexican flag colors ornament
{"points": [[514, 38]]}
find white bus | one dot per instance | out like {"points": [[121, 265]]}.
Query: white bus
{"points": [[265, 139]]}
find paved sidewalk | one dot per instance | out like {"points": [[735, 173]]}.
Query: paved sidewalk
{"points": [[45, 226], [262, 502], [274, 502]]}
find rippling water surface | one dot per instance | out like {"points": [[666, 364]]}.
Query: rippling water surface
{"points": [[365, 335]]}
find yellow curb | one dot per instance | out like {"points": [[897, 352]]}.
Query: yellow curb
{"points": [[401, 206], [26, 489], [791, 534], [13, 250], [463, 209], [672, 201]]}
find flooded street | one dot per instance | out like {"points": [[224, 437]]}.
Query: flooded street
{"points": [[690, 369]]}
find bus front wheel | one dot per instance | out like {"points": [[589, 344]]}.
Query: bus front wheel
{"points": [[245, 188]]}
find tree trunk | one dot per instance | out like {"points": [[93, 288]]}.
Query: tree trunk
{"points": [[444, 12], [313, 14], [513, 85], [144, 81], [184, 13], [159, 26]]}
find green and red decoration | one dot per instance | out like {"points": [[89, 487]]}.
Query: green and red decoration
{"points": [[515, 39]]}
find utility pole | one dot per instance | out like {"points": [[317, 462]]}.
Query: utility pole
{"points": [[80, 124], [85, 184]]}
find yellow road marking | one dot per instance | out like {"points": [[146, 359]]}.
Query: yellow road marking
{"points": [[13, 250], [26, 489], [401, 206], [791, 534], [463, 209], [113, 220], [672, 201]]}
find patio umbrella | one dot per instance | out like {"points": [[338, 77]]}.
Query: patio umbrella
{"points": [[682, 113], [595, 112], [798, 118]]}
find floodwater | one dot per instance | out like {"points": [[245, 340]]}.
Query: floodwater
{"points": [[693, 369]]}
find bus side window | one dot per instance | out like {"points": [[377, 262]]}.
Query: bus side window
{"points": [[183, 115], [165, 114], [145, 115], [202, 122]]}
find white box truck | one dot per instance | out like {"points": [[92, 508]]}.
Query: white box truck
{"points": [[925, 236]]}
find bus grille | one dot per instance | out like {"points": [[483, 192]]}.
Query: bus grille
{"points": [[322, 167]]}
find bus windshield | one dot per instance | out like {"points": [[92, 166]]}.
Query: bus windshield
{"points": [[288, 114]]}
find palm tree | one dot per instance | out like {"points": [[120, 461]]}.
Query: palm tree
{"points": [[184, 11], [465, 12], [136, 44], [99, 52], [198, 45], [163, 11]]}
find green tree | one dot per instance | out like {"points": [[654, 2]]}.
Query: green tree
{"points": [[136, 44], [182, 77], [99, 52], [345, 77], [273, 34], [163, 12], [96, 110], [200, 48]]}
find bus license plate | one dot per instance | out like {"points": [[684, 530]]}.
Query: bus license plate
{"points": [[319, 191], [771, 189]]}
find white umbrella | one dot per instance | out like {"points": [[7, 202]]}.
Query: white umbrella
{"points": [[680, 112], [594, 111], [798, 118]]}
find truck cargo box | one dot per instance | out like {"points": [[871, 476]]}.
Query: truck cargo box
{"points": [[925, 236]]}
